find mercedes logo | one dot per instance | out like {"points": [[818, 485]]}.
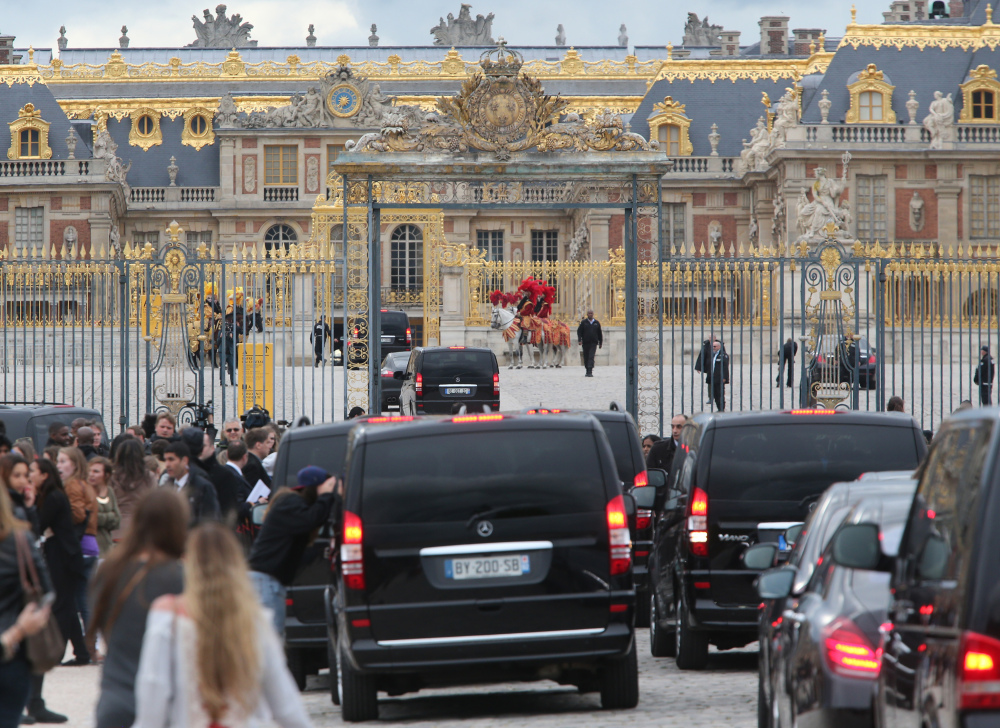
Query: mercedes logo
{"points": [[484, 529], [458, 379]]}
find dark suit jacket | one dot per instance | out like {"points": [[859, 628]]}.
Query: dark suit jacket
{"points": [[231, 488], [254, 471], [720, 368], [789, 350], [590, 333], [985, 372], [200, 494], [661, 455], [704, 356]]}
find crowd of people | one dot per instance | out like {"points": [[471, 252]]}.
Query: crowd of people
{"points": [[107, 524]]}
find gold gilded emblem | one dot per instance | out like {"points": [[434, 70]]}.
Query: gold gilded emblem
{"points": [[344, 100]]}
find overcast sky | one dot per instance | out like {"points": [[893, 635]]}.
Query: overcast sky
{"points": [[408, 22]]}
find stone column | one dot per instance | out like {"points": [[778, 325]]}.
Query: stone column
{"points": [[453, 306], [599, 223]]}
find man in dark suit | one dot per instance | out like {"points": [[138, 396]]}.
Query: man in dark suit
{"points": [[717, 375], [260, 442], [319, 336], [191, 482], [786, 357], [231, 488], [661, 455], [590, 338], [985, 373]]}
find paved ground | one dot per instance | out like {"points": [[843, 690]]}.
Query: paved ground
{"points": [[725, 694]]}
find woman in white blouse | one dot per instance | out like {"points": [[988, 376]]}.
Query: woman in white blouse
{"points": [[210, 656]]}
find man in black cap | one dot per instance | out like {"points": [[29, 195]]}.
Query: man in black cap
{"points": [[292, 516], [984, 376]]}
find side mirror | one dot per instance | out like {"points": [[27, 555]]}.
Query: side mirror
{"points": [[630, 511], [644, 497], [857, 546], [792, 534], [760, 556], [656, 477], [776, 583], [257, 514], [398, 375]]}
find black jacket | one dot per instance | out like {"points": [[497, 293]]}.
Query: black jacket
{"points": [[23, 512], [11, 593], [285, 534], [719, 368], [590, 333], [704, 356], [62, 548], [254, 471], [231, 488], [200, 495], [985, 372], [788, 350], [661, 454], [320, 333]]}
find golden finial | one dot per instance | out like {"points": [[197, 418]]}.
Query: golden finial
{"points": [[31, 55], [670, 51], [854, 15], [989, 14], [812, 46]]}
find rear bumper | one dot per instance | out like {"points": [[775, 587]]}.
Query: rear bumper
{"points": [[836, 718], [305, 635], [981, 719], [709, 616], [443, 407], [524, 650]]}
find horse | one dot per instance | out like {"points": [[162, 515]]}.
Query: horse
{"points": [[505, 322], [555, 343]]}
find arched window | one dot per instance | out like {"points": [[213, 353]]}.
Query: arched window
{"points": [[983, 105], [280, 235], [407, 258], [870, 104], [30, 144], [670, 139]]}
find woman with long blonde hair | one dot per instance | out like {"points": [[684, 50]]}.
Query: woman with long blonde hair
{"points": [[210, 656]]}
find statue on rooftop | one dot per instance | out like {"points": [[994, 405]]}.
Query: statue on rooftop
{"points": [[940, 122], [623, 36], [463, 30], [825, 208], [560, 35], [700, 32], [221, 31]]}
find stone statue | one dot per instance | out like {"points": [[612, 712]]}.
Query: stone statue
{"points": [[123, 41], [824, 208], [786, 115], [715, 236], [560, 35], [312, 174], [753, 232], [172, 170], [373, 38], [940, 122], [824, 105], [463, 30], [62, 42], [221, 31], [912, 106], [71, 144], [228, 114], [374, 106], [70, 237], [311, 38], [916, 212], [623, 36], [700, 33], [105, 148], [114, 238], [778, 221], [578, 245], [754, 154]]}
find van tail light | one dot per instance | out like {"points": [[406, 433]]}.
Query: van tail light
{"points": [[619, 540], [352, 562], [643, 518], [979, 672], [418, 385], [496, 385], [640, 480], [409, 336], [697, 523], [849, 652], [871, 358]]}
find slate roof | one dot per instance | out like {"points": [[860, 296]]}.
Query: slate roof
{"points": [[15, 96], [149, 168]]}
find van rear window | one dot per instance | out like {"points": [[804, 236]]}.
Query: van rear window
{"points": [[326, 452], [794, 461], [500, 474], [621, 446], [457, 363], [393, 323]]}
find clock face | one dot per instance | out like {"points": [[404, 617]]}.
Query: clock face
{"points": [[344, 100]]}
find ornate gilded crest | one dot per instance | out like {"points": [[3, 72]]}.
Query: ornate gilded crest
{"points": [[343, 100]]}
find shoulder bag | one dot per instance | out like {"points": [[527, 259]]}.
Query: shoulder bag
{"points": [[45, 649]]}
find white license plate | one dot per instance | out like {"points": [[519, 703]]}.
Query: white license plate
{"points": [[388, 339], [458, 390], [487, 567]]}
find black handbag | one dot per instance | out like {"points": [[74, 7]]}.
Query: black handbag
{"points": [[46, 648]]}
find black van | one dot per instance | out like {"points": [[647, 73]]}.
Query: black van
{"points": [[436, 377], [739, 478], [941, 644], [34, 420], [396, 333], [500, 554]]}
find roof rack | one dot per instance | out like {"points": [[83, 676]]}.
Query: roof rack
{"points": [[26, 403]]}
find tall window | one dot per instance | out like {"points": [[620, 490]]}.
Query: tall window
{"points": [[490, 241], [984, 206], [870, 106], [673, 229], [30, 146], [196, 239], [280, 235], [544, 245], [983, 106], [281, 165], [141, 237], [406, 258], [872, 208], [670, 139], [29, 229], [332, 152]]}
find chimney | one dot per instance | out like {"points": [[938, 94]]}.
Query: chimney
{"points": [[803, 37], [6, 49], [956, 8], [730, 42], [774, 35]]}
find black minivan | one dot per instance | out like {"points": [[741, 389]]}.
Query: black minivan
{"points": [[941, 643], [436, 377], [483, 548], [740, 478]]}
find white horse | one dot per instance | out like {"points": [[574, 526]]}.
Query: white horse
{"points": [[555, 344], [505, 322]]}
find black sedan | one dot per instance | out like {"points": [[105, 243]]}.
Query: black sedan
{"points": [[835, 362], [395, 362], [825, 647]]}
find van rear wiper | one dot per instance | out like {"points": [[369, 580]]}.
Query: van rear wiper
{"points": [[487, 512]]}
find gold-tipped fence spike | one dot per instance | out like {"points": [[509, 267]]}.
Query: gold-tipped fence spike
{"points": [[128, 250], [215, 251]]}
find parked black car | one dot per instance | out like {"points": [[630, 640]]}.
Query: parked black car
{"points": [[392, 363], [34, 420], [795, 684], [835, 362], [941, 641], [501, 554], [738, 478], [437, 377]]}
